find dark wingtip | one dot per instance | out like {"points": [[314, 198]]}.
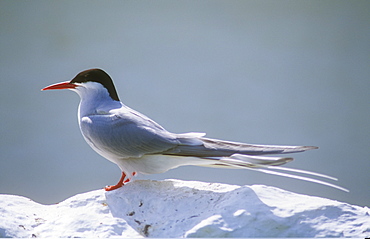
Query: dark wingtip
{"points": [[310, 147]]}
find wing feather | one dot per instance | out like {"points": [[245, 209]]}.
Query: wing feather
{"points": [[126, 137], [221, 148]]}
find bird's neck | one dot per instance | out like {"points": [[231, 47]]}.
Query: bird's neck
{"points": [[94, 104]]}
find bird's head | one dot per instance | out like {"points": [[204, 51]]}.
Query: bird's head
{"points": [[87, 80]]}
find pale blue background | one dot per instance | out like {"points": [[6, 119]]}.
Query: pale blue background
{"points": [[267, 72]]}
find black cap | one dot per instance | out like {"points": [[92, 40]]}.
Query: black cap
{"points": [[100, 76]]}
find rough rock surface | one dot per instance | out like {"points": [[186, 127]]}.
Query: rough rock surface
{"points": [[174, 208]]}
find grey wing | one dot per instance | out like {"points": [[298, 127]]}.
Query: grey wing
{"points": [[248, 156], [233, 154], [126, 137], [221, 148]]}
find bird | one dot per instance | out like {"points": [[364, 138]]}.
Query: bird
{"points": [[137, 144]]}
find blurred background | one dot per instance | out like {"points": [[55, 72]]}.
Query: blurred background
{"points": [[264, 72]]}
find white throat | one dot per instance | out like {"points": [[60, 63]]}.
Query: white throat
{"points": [[95, 99]]}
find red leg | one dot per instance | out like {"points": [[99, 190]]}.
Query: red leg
{"points": [[120, 183]]}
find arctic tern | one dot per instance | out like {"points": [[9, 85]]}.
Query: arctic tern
{"points": [[137, 144]]}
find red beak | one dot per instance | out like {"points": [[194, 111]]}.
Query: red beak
{"points": [[60, 86]]}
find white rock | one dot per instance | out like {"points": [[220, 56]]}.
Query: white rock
{"points": [[84, 215], [175, 208]]}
